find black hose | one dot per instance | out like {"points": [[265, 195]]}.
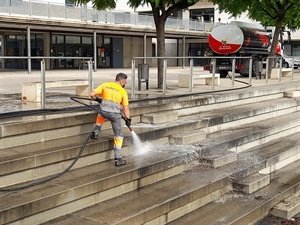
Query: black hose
{"points": [[41, 181], [82, 103], [239, 81]]}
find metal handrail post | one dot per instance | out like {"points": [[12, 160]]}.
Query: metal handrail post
{"points": [[29, 49], [43, 84], [214, 64], [233, 72], [250, 70], [267, 70], [165, 76], [213, 76], [90, 75], [133, 79], [95, 51], [280, 70], [292, 75], [191, 75], [183, 52]]}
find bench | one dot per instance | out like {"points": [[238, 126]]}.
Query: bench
{"points": [[183, 79], [32, 91], [284, 72]]}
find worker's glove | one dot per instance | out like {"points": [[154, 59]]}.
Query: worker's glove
{"points": [[127, 121], [98, 100]]}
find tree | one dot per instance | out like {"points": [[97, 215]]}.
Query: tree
{"points": [[161, 10], [280, 14]]}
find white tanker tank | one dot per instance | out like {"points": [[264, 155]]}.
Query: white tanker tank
{"points": [[239, 39]]}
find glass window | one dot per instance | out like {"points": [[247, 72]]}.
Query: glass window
{"points": [[21, 45], [107, 40], [37, 45], [72, 40], [57, 39], [11, 42], [87, 40]]}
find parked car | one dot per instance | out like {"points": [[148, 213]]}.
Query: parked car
{"points": [[288, 61]]}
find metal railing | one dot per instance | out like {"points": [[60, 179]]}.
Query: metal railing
{"points": [[43, 71], [133, 71], [191, 59], [56, 11]]}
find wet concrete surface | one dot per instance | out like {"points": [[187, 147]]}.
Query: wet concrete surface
{"points": [[273, 220]]}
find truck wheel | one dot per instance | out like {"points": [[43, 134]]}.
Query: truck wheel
{"points": [[286, 65], [223, 73]]}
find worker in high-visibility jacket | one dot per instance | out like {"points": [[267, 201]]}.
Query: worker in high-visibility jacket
{"points": [[113, 105]]}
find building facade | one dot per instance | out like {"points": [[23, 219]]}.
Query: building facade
{"points": [[56, 28]]}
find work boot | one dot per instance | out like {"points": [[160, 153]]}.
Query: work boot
{"points": [[120, 162], [94, 136], [96, 132]]}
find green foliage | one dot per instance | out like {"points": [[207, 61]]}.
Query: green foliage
{"points": [[278, 13]]}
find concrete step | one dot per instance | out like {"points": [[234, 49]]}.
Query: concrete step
{"points": [[244, 168], [292, 94], [83, 187], [90, 185], [35, 161], [35, 129], [288, 208], [188, 137], [248, 163], [68, 124], [46, 156], [244, 114], [159, 117], [241, 138], [275, 155], [252, 183], [266, 155], [237, 208], [133, 211], [160, 204], [217, 101]]}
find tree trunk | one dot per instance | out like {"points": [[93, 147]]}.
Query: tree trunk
{"points": [[160, 33], [273, 48]]}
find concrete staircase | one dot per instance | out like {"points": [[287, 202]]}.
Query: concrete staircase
{"points": [[206, 155]]}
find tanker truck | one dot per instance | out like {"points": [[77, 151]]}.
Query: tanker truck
{"points": [[238, 39]]}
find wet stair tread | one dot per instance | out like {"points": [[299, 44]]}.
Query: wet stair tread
{"points": [[137, 166], [73, 141], [46, 122], [256, 130], [270, 151], [30, 154], [43, 117], [236, 169], [159, 196], [239, 208], [248, 110]]}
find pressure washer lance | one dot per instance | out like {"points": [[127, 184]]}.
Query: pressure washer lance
{"points": [[127, 122]]}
